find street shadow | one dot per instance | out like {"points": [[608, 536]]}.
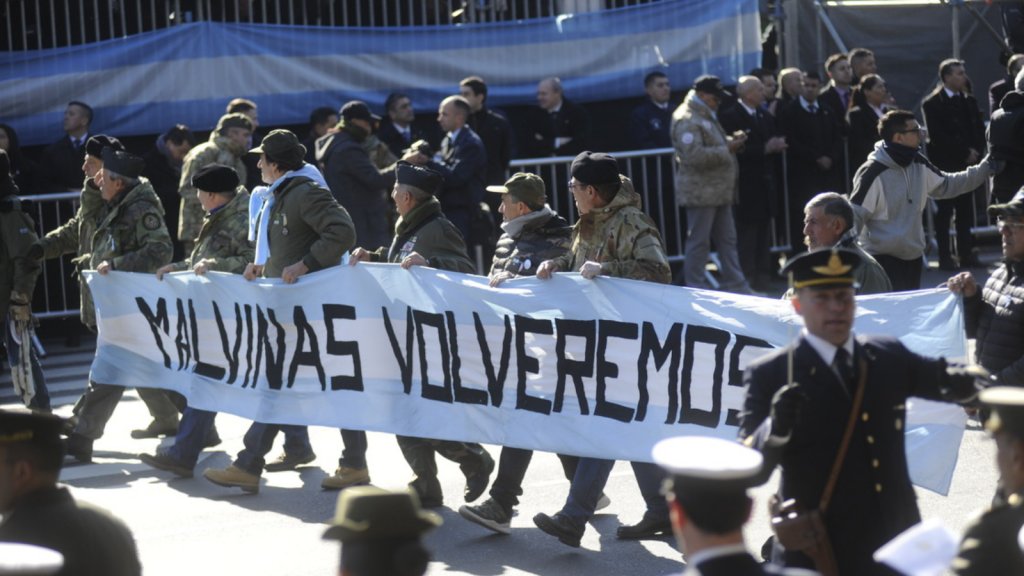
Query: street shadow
{"points": [[529, 550]]}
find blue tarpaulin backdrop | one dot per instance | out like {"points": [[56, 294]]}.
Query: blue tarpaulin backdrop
{"points": [[145, 83]]}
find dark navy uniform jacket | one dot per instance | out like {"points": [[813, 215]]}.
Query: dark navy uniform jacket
{"points": [[873, 500]]}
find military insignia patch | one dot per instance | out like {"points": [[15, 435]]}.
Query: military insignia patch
{"points": [[151, 221]]}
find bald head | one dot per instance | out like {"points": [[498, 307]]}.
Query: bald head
{"points": [[750, 91], [549, 93]]}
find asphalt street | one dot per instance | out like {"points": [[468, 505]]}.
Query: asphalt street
{"points": [[191, 526]]}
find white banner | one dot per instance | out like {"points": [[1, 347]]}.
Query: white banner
{"points": [[601, 368]]}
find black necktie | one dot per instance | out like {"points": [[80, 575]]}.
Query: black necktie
{"points": [[842, 363], [813, 109]]}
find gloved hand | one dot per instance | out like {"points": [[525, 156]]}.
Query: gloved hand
{"points": [[786, 405], [963, 383], [996, 166], [20, 308]]}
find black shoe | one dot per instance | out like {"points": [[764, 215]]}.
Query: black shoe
{"points": [[78, 447], [429, 491], [561, 527], [168, 463], [648, 527], [288, 462], [477, 482], [155, 430]]}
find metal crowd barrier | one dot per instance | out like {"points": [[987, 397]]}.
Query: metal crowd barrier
{"points": [[54, 296]]}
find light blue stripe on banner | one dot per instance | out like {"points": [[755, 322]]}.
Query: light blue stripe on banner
{"points": [[216, 40], [144, 85]]}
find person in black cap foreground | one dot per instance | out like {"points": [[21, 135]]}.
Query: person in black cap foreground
{"points": [[37, 511], [18, 273], [707, 498], [990, 546], [424, 237], [381, 532], [131, 236], [991, 315], [801, 400], [300, 228], [612, 237], [222, 245]]}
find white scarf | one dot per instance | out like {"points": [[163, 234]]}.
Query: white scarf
{"points": [[262, 200]]}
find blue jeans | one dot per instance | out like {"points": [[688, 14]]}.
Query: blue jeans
{"points": [[589, 482], [353, 451], [193, 429], [259, 439]]}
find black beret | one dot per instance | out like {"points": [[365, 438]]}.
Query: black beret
{"points": [[825, 268], [595, 168], [26, 426], [124, 163], [216, 178], [95, 145], [419, 176]]}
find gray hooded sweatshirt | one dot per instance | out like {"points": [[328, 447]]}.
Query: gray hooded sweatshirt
{"points": [[888, 200]]}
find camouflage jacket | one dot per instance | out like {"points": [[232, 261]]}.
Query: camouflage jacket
{"points": [[706, 171], [75, 237], [529, 240], [427, 232], [619, 236], [131, 235], [220, 150], [18, 272], [224, 238]]}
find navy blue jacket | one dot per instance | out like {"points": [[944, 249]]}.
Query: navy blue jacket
{"points": [[464, 168], [873, 500]]}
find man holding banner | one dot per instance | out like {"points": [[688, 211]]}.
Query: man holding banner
{"points": [[799, 400], [301, 228], [423, 237], [130, 236], [222, 245], [613, 237]]}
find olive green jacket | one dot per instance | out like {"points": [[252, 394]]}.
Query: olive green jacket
{"points": [[18, 272], [619, 236], [224, 238], [75, 235], [306, 224], [427, 232]]}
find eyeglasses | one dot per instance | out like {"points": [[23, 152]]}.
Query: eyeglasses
{"points": [[919, 130], [574, 185], [1013, 227]]}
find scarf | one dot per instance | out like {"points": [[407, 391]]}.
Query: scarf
{"points": [[900, 154], [262, 200]]}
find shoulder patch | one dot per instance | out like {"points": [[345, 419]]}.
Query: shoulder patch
{"points": [[151, 221], [687, 138]]}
